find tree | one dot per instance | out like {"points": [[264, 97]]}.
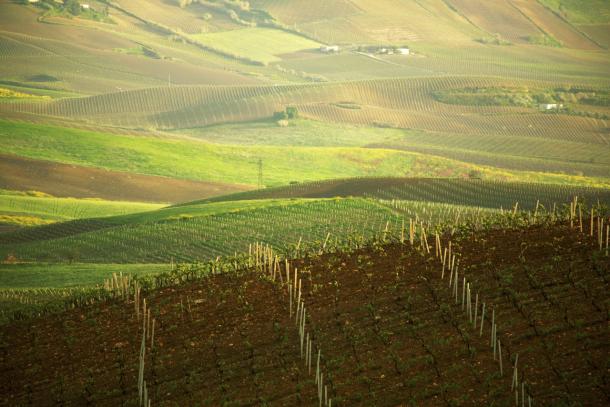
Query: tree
{"points": [[475, 174], [280, 116], [292, 112], [73, 7]]}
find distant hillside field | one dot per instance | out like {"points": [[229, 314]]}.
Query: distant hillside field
{"points": [[69, 180], [478, 193], [213, 169], [201, 232], [347, 209], [17, 208], [256, 44]]}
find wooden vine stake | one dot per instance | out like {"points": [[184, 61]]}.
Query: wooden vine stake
{"points": [[476, 310], [515, 382], [500, 357], [482, 320]]}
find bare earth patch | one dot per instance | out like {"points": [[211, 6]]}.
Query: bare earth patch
{"points": [[65, 180]]}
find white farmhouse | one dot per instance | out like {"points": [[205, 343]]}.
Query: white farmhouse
{"points": [[403, 51], [329, 48], [550, 106]]}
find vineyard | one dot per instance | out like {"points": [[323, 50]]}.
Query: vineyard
{"points": [[489, 313], [323, 203], [473, 192], [202, 233], [401, 103], [46, 208]]}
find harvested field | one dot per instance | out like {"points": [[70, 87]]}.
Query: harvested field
{"points": [[599, 32], [65, 180], [499, 17], [552, 24]]}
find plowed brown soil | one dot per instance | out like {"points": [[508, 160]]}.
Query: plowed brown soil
{"points": [[64, 180], [389, 328]]}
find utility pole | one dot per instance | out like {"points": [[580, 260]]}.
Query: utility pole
{"points": [[260, 173]]}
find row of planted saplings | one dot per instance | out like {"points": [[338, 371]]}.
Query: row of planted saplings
{"points": [[450, 265], [448, 262], [122, 287], [263, 258], [595, 221], [268, 263]]}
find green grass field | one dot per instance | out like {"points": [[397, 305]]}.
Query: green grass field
{"points": [[19, 207], [299, 132], [256, 44], [196, 160], [48, 275]]}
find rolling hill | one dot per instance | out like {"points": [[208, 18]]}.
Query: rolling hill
{"points": [[230, 202]]}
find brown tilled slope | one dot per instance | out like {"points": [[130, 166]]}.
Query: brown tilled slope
{"points": [[65, 180], [390, 332]]}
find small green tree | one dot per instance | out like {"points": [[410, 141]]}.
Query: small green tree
{"points": [[73, 7], [280, 116], [292, 112]]}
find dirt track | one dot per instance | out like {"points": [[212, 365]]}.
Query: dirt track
{"points": [[66, 180]]}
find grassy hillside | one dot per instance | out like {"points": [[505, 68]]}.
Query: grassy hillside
{"points": [[256, 44], [203, 232], [238, 164], [297, 132], [29, 209], [503, 151], [40, 276]]}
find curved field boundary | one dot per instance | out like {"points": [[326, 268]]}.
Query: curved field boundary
{"points": [[66, 180], [480, 193], [404, 103]]}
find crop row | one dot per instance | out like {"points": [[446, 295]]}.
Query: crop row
{"points": [[379, 102], [305, 226], [472, 192]]}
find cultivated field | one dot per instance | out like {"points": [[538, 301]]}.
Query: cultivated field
{"points": [[272, 203], [68, 180], [473, 192], [400, 321], [39, 208]]}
